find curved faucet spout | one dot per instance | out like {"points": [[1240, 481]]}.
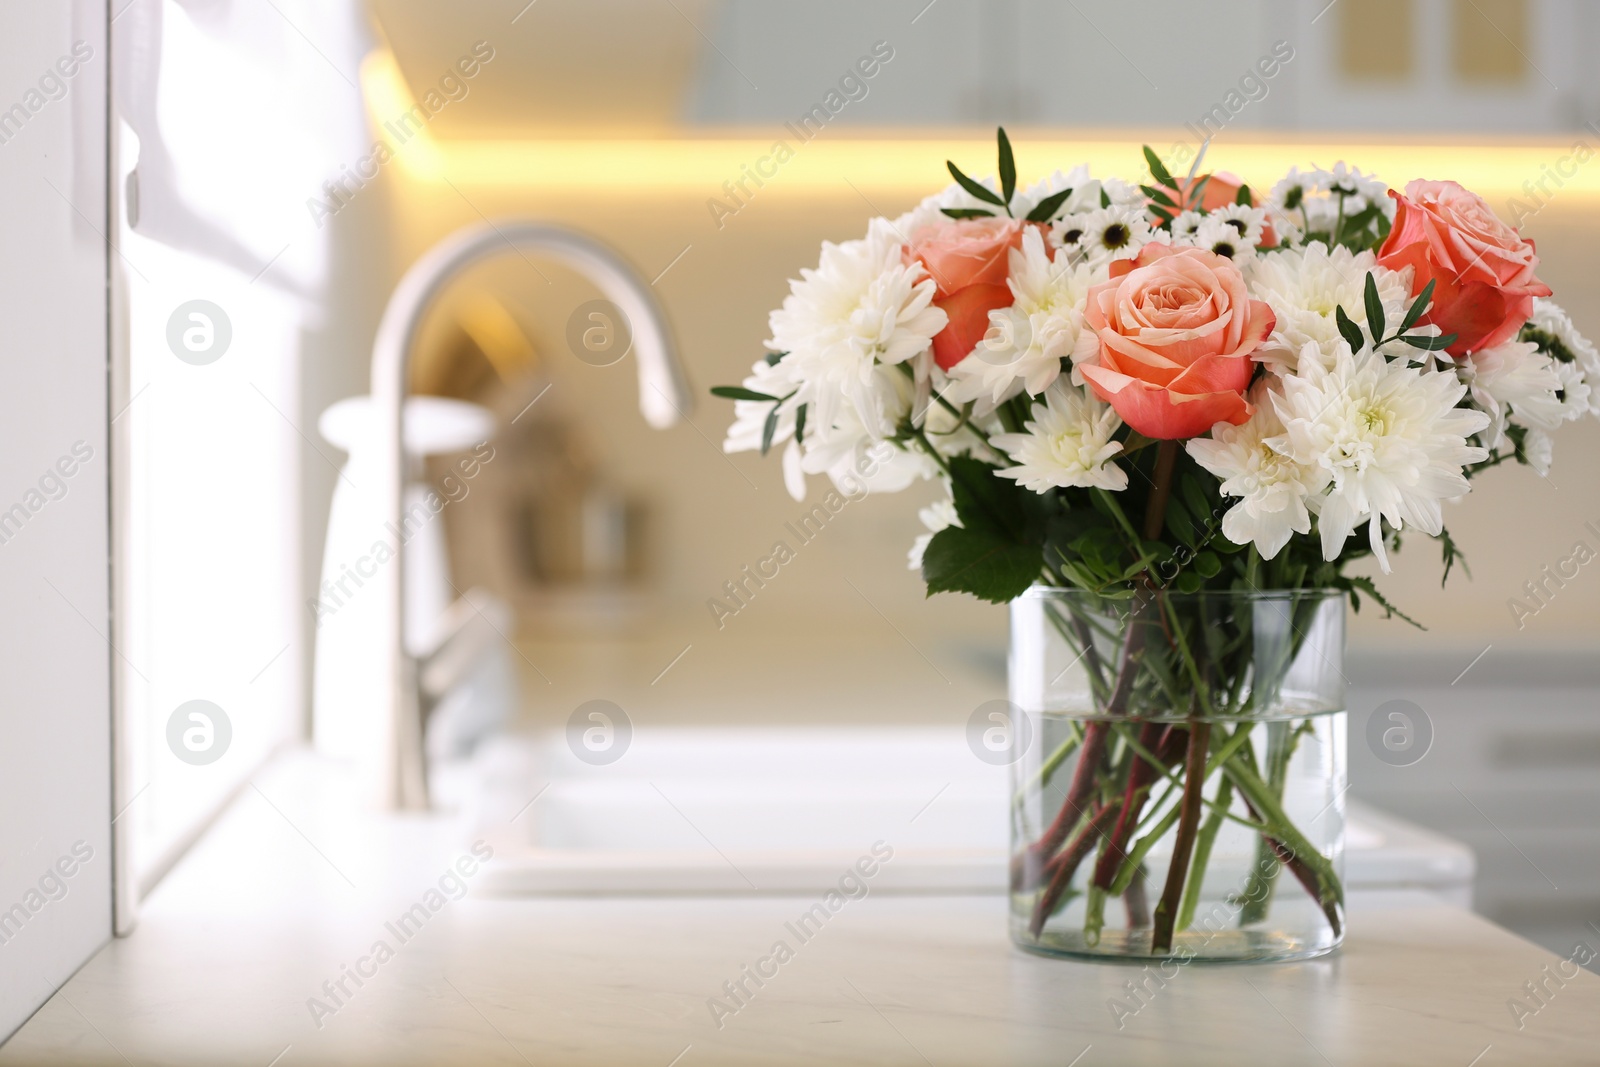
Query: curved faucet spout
{"points": [[395, 772]]}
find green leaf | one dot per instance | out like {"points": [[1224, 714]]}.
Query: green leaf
{"points": [[1221, 543], [1452, 556], [1419, 307], [1351, 584], [1244, 197], [961, 561], [995, 507], [1158, 196], [1430, 344], [1158, 170], [1207, 565], [972, 187], [800, 423], [1349, 330], [772, 358], [1194, 197], [739, 392], [1008, 165], [1377, 323], [1105, 197], [967, 212], [1179, 524], [1188, 582], [1195, 496], [769, 428], [1047, 208]]}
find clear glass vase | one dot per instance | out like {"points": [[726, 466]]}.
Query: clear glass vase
{"points": [[1179, 789]]}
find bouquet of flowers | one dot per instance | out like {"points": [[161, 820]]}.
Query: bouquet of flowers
{"points": [[1174, 387]]}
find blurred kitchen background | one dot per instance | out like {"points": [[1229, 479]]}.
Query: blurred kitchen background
{"points": [[632, 120]]}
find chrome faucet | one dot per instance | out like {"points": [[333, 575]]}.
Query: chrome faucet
{"points": [[396, 771]]}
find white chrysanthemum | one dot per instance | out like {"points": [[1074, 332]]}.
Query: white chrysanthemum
{"points": [[1272, 488], [1514, 383], [1305, 286], [930, 211], [1092, 194], [1216, 235], [1185, 225], [1113, 233], [1550, 320], [939, 515], [1030, 198], [1250, 222], [1538, 449], [862, 306], [1067, 443], [1028, 340], [1388, 438], [854, 458], [750, 416], [954, 430]]}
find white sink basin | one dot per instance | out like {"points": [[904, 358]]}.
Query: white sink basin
{"points": [[786, 810]]}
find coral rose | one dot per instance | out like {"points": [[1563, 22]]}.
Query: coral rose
{"points": [[1167, 341], [968, 261], [1481, 268]]}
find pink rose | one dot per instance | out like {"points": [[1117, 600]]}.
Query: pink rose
{"points": [[1481, 268], [1168, 341], [968, 261]]}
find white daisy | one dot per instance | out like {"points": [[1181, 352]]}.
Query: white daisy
{"points": [[1577, 395], [1250, 222], [1514, 382], [1027, 341], [1067, 443], [1216, 235], [1552, 329], [1386, 436], [1113, 233], [1184, 226], [1287, 195], [1311, 201], [1272, 488], [860, 308], [939, 515], [1358, 189], [1067, 230], [1305, 286]]}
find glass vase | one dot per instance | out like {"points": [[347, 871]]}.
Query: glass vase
{"points": [[1178, 788]]}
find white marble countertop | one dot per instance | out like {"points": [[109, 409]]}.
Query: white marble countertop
{"points": [[290, 887]]}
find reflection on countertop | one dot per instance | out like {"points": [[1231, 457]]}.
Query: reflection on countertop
{"points": [[263, 943]]}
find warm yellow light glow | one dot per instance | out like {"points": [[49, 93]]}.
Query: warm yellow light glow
{"points": [[835, 162]]}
